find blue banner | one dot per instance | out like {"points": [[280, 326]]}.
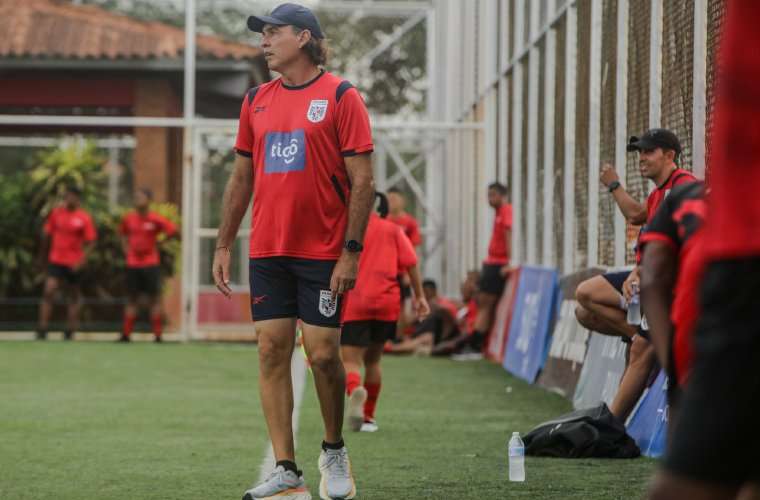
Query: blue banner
{"points": [[534, 310], [649, 423]]}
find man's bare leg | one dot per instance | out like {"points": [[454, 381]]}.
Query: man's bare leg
{"points": [[323, 348], [634, 379], [484, 317], [373, 373], [74, 307], [600, 298], [46, 305], [276, 340]]}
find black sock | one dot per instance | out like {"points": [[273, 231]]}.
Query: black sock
{"points": [[333, 446], [289, 465]]}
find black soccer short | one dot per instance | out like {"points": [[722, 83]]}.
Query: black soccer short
{"points": [[715, 437], [289, 287], [364, 333], [144, 280], [491, 280], [617, 279], [64, 273]]}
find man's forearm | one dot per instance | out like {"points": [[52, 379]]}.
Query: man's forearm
{"points": [[632, 210], [360, 206], [416, 281], [237, 196]]}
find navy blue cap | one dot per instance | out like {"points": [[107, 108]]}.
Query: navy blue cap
{"points": [[655, 138], [288, 14]]}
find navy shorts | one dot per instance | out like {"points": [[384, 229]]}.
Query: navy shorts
{"points": [[617, 279], [491, 280], [64, 273], [143, 280], [289, 287], [365, 333]]}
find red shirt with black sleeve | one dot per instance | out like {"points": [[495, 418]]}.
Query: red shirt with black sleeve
{"points": [[387, 253], [297, 138], [676, 178], [141, 231], [68, 230], [679, 223]]}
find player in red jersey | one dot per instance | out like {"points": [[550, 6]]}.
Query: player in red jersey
{"points": [[496, 266], [713, 450], [303, 153], [670, 276], [398, 215], [371, 310], [140, 229], [71, 234]]}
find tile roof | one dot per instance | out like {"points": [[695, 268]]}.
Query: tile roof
{"points": [[58, 29]]}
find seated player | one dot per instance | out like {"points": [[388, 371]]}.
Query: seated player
{"points": [[371, 311], [466, 317]]}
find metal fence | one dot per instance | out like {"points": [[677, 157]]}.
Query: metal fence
{"points": [[572, 80]]}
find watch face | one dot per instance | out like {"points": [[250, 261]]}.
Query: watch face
{"points": [[353, 246]]}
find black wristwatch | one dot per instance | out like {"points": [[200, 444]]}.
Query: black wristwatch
{"points": [[613, 186], [353, 246]]}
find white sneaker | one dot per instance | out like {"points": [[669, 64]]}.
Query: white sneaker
{"points": [[280, 485], [337, 483], [355, 413], [369, 426]]}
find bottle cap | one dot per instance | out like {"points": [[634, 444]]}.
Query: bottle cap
{"points": [[516, 434]]}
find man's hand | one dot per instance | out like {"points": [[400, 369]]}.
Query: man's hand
{"points": [[421, 308], [628, 284], [609, 174], [344, 275], [221, 270]]}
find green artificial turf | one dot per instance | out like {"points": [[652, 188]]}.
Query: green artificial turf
{"points": [[87, 420]]}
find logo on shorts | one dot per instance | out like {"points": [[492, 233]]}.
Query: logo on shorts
{"points": [[317, 110], [258, 300], [285, 152], [327, 304]]}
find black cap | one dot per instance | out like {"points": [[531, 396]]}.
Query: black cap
{"points": [[655, 138], [288, 14]]}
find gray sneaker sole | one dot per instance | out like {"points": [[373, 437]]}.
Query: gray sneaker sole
{"points": [[285, 495]]}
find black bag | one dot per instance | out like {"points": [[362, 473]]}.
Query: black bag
{"points": [[593, 432]]}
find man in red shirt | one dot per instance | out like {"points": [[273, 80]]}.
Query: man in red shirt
{"points": [[398, 215], [713, 450], [602, 300], [370, 313], [303, 153], [71, 234], [140, 229], [496, 266], [670, 276]]}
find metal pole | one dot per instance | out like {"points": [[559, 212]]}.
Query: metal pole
{"points": [[568, 241], [700, 88], [655, 65], [594, 118], [547, 255], [621, 121], [188, 224]]}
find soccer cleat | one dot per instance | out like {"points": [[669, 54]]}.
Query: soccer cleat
{"points": [[158, 339], [369, 426], [124, 338], [68, 335], [41, 335], [337, 483], [355, 414], [281, 484]]}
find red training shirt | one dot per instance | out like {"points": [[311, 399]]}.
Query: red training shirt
{"points": [[679, 224], [298, 138], [498, 249], [69, 230], [409, 225], [141, 232], [387, 253], [734, 166], [676, 178]]}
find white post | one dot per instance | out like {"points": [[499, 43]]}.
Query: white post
{"points": [[517, 118], [534, 57], [550, 59], [700, 88], [655, 65], [594, 131], [188, 224], [621, 121], [568, 241]]}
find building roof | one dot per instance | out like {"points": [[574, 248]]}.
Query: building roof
{"points": [[58, 29]]}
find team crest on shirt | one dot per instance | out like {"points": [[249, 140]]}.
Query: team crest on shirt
{"points": [[327, 303], [317, 110]]}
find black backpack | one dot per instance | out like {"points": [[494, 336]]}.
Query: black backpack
{"points": [[593, 432]]}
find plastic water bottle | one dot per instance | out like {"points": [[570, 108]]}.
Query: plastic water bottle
{"points": [[634, 307], [516, 458]]}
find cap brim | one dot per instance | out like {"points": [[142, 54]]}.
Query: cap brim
{"points": [[257, 23], [639, 145]]}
